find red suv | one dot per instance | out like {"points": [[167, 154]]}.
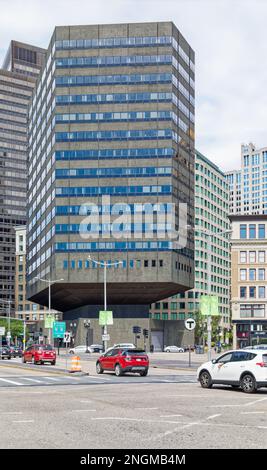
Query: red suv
{"points": [[123, 360], [40, 353]]}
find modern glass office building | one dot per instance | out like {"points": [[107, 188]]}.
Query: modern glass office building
{"points": [[248, 185], [17, 79], [212, 210], [111, 123]]}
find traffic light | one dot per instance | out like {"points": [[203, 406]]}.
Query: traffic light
{"points": [[136, 330], [145, 333]]}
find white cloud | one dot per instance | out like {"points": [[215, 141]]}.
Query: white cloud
{"points": [[229, 38]]}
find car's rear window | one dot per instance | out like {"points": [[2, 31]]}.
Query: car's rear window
{"points": [[264, 358], [134, 352], [46, 347]]}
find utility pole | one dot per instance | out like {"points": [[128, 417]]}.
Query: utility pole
{"points": [[49, 282]]}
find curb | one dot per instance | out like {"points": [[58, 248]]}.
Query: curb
{"points": [[41, 368]]}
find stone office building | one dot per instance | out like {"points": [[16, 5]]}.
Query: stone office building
{"points": [[112, 115], [17, 80]]}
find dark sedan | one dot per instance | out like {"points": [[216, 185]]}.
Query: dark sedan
{"points": [[16, 351], [5, 352]]}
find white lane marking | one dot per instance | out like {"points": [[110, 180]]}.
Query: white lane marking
{"points": [[144, 408], [213, 416], [80, 411], [24, 421], [135, 419], [53, 379], [170, 416], [34, 380], [252, 412], [262, 427], [86, 401], [255, 402], [11, 413], [71, 378], [96, 377], [11, 382]]}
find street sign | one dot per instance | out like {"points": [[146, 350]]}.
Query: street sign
{"points": [[2, 331], [209, 305], [105, 337], [59, 329], [49, 320], [105, 317], [190, 324], [67, 337]]}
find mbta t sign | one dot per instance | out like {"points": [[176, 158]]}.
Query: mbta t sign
{"points": [[190, 324]]}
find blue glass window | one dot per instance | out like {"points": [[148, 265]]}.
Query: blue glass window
{"points": [[72, 264], [252, 231], [252, 292], [243, 292], [243, 231], [261, 231], [65, 264]]}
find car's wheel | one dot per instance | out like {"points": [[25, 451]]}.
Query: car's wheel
{"points": [[9, 357], [144, 373], [99, 369], [205, 379], [53, 363], [118, 370], [248, 384]]}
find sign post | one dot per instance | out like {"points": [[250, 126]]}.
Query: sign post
{"points": [[2, 333], [190, 325], [66, 340], [59, 329]]}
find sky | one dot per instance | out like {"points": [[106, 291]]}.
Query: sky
{"points": [[229, 38]]}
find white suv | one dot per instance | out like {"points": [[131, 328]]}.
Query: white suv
{"points": [[245, 368]]}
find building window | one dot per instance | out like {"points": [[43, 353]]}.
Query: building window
{"points": [[157, 316], [261, 274], [261, 231], [252, 256], [261, 256], [243, 231], [252, 231], [87, 264], [65, 264], [173, 316], [252, 274], [252, 292], [164, 315], [153, 263], [80, 264], [157, 305], [165, 305], [261, 292], [72, 264], [243, 256], [243, 274], [146, 263], [243, 292], [161, 263]]}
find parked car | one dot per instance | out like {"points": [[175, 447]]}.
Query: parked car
{"points": [[39, 354], [122, 346], [78, 349], [173, 349], [96, 348], [16, 351], [241, 368], [121, 361], [257, 346], [5, 352]]}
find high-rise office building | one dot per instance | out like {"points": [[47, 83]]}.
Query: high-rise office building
{"points": [[17, 79], [211, 214], [248, 186], [24, 309], [112, 115]]}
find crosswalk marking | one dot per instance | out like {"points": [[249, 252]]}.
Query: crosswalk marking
{"points": [[11, 382], [34, 380]]}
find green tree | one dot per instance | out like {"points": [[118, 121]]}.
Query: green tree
{"points": [[16, 326]]}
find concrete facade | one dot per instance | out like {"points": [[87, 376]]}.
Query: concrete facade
{"points": [[118, 102]]}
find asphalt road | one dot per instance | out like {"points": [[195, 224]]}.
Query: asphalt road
{"points": [[126, 412]]}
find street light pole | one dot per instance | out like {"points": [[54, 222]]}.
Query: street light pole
{"points": [[104, 264], [50, 282], [9, 302]]}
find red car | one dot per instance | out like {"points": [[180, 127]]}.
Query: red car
{"points": [[123, 360], [39, 354]]}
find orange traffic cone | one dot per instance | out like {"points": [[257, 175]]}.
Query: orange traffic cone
{"points": [[76, 364]]}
